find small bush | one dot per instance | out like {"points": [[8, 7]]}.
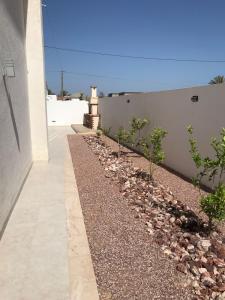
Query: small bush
{"points": [[213, 169], [214, 204], [98, 133], [152, 148], [122, 137], [137, 125], [150, 145], [106, 131]]}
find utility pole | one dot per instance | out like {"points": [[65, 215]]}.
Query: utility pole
{"points": [[62, 83]]}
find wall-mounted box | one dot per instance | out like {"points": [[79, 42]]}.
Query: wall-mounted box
{"points": [[9, 68]]}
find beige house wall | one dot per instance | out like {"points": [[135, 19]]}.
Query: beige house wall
{"points": [[172, 110], [23, 131], [36, 81]]}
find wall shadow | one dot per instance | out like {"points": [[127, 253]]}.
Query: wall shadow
{"points": [[11, 111], [14, 10]]}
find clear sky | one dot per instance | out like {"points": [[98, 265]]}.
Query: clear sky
{"points": [[153, 28]]}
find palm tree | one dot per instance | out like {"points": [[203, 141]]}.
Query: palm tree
{"points": [[217, 79]]}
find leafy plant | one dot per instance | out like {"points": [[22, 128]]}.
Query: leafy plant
{"points": [[213, 169], [214, 204], [152, 148], [98, 133], [150, 145], [217, 80], [208, 167], [122, 136], [106, 131], [137, 124]]}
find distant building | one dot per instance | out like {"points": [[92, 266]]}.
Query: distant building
{"points": [[122, 94], [113, 94], [78, 95]]}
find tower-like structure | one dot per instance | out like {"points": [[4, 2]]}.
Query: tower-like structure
{"points": [[91, 119]]}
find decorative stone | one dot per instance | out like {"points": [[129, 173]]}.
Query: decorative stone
{"points": [[181, 268], [218, 248], [203, 260], [167, 252], [138, 202], [202, 270], [173, 246], [204, 244], [172, 220], [215, 271], [150, 231], [190, 248], [219, 262], [221, 297], [158, 224], [183, 219], [208, 281], [194, 270], [195, 284], [221, 288]]}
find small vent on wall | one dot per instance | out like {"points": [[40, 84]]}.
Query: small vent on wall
{"points": [[194, 98]]}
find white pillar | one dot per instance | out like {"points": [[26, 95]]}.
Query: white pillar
{"points": [[93, 92], [36, 80]]}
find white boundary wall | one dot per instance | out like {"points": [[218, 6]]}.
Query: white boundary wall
{"points": [[62, 113], [173, 111]]}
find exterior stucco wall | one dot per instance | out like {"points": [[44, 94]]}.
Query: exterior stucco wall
{"points": [[172, 110], [36, 81], [15, 141]]}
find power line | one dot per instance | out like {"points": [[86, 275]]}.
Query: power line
{"points": [[193, 60], [85, 74]]}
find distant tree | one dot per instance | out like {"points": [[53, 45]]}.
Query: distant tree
{"points": [[218, 79], [101, 95], [82, 96], [50, 92], [65, 93]]}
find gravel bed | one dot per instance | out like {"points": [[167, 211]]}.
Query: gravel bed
{"points": [[127, 264], [174, 226], [181, 188]]}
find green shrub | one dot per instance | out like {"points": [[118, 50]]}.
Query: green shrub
{"points": [[122, 137], [152, 148], [214, 204], [213, 169], [98, 133], [150, 145], [106, 131], [137, 125]]}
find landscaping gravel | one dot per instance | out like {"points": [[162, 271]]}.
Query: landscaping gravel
{"points": [[181, 188], [127, 263]]}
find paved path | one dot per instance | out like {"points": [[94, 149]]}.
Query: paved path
{"points": [[81, 129], [36, 244]]}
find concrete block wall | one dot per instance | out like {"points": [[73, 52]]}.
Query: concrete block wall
{"points": [[172, 110], [66, 112]]}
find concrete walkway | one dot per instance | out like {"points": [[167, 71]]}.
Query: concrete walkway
{"points": [[36, 258], [81, 129]]}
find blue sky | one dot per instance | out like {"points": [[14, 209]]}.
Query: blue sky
{"points": [[159, 28]]}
